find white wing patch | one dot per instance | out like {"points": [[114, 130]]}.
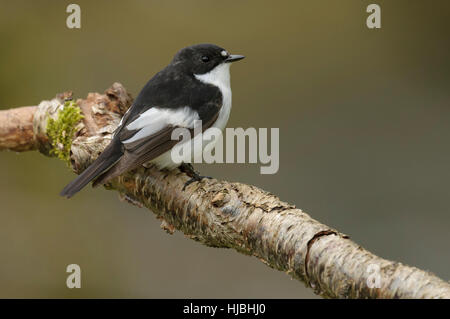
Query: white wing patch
{"points": [[155, 119]]}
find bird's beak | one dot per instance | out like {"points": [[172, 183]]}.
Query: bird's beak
{"points": [[234, 58]]}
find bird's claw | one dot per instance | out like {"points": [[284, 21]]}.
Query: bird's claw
{"points": [[194, 176], [197, 178]]}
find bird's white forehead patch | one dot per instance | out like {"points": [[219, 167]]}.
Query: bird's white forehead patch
{"points": [[224, 53]]}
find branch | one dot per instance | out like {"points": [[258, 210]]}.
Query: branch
{"points": [[222, 214]]}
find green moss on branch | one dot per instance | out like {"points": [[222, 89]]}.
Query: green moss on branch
{"points": [[62, 129]]}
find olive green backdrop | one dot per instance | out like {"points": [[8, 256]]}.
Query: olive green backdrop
{"points": [[364, 137]]}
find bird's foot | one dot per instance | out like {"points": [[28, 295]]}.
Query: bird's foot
{"points": [[189, 170]]}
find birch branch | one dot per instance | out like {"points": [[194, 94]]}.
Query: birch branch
{"points": [[223, 214]]}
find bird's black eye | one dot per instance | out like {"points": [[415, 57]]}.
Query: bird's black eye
{"points": [[205, 58]]}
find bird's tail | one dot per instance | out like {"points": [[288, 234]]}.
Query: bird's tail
{"points": [[107, 158]]}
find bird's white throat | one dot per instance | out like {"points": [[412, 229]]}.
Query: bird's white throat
{"points": [[219, 76]]}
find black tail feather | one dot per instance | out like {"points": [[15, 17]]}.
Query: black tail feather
{"points": [[108, 158], [107, 175]]}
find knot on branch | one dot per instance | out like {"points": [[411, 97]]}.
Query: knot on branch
{"points": [[102, 114]]}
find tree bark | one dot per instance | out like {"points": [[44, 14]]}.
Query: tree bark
{"points": [[223, 214], [16, 129]]}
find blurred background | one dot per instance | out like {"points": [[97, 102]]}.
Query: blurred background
{"points": [[364, 130]]}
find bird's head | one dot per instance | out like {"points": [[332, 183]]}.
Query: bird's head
{"points": [[203, 58]]}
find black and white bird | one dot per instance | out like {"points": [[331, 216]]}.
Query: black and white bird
{"points": [[194, 86]]}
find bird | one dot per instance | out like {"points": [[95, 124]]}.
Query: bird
{"points": [[194, 86]]}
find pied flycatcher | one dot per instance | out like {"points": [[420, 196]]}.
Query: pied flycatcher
{"points": [[194, 86]]}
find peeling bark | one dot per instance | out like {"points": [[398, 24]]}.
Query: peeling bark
{"points": [[223, 214]]}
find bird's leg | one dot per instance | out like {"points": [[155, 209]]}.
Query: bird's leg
{"points": [[188, 169]]}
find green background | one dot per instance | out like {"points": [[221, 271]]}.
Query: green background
{"points": [[364, 130]]}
